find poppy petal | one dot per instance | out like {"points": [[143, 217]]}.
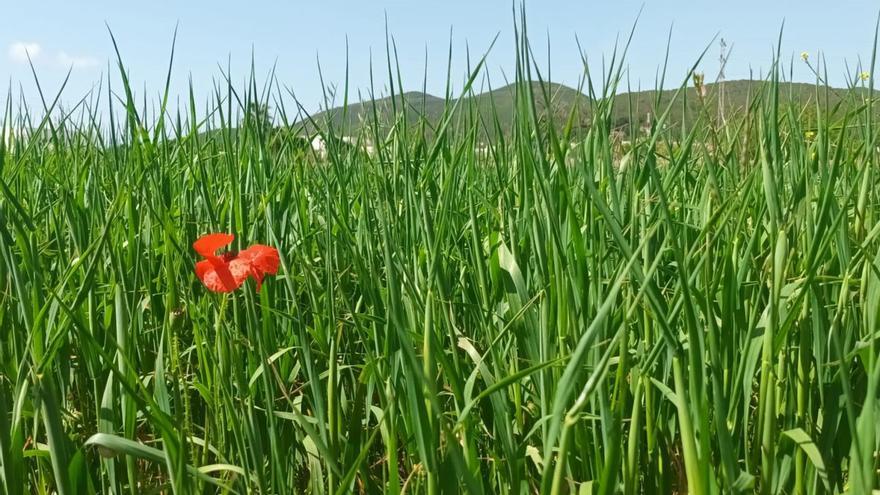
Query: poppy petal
{"points": [[216, 276], [202, 269], [240, 270], [208, 244], [255, 261], [263, 259]]}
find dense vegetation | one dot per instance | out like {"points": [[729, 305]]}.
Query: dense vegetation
{"points": [[694, 311]]}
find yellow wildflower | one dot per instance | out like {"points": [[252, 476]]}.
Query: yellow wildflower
{"points": [[805, 56]]}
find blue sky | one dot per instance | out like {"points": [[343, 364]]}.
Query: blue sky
{"points": [[295, 35]]}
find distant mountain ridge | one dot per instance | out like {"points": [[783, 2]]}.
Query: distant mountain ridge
{"points": [[636, 107]]}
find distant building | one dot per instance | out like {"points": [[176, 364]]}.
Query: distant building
{"points": [[319, 146]]}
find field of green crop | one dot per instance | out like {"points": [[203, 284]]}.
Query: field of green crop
{"points": [[689, 308]]}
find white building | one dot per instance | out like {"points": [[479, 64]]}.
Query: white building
{"points": [[319, 146]]}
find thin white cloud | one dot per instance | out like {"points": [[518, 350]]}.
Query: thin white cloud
{"points": [[76, 61], [19, 51]]}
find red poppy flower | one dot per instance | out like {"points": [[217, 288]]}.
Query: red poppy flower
{"points": [[227, 271]]}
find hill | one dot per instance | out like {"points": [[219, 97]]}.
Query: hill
{"points": [[637, 107]]}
